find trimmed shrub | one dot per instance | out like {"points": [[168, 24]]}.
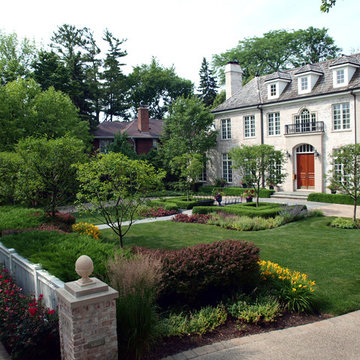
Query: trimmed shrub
{"points": [[28, 329], [332, 198], [165, 204], [233, 191], [137, 280], [199, 274]]}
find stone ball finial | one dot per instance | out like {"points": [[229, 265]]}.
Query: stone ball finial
{"points": [[84, 267]]}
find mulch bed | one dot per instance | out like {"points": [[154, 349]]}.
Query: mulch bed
{"points": [[230, 330]]}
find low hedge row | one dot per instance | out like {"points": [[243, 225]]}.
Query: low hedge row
{"points": [[332, 198], [199, 274], [265, 210], [181, 203], [233, 191]]}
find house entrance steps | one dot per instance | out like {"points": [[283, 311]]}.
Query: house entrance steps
{"points": [[296, 195]]}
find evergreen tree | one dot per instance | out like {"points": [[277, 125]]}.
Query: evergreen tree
{"points": [[208, 84]]}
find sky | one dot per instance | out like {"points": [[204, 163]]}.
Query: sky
{"points": [[180, 33]]}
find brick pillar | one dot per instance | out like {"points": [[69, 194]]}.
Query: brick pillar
{"points": [[87, 318]]}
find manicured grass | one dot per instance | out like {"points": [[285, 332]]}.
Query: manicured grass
{"points": [[330, 256], [17, 217]]}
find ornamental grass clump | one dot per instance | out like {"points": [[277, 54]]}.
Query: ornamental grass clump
{"points": [[89, 229], [294, 289], [137, 280], [28, 329]]}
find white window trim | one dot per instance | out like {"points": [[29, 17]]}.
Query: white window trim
{"points": [[251, 119], [228, 176], [341, 119], [274, 123], [225, 124]]}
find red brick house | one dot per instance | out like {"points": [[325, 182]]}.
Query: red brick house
{"points": [[143, 132]]}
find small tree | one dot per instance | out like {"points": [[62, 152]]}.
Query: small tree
{"points": [[10, 163], [115, 187], [258, 163], [47, 175], [122, 145], [345, 173], [189, 168]]}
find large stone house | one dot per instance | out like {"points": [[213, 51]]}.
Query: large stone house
{"points": [[143, 132], [307, 112]]}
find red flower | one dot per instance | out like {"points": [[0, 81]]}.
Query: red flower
{"points": [[51, 311], [32, 311]]}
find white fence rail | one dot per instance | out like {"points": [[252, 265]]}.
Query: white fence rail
{"points": [[30, 277]]}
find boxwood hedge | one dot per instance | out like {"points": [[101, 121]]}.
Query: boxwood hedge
{"points": [[332, 198], [233, 191]]}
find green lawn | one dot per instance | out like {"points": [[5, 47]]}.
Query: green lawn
{"points": [[330, 256]]}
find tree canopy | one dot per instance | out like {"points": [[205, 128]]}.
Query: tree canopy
{"points": [[326, 5], [208, 86], [278, 50]]}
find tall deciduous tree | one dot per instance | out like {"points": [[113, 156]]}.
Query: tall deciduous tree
{"points": [[115, 101], [116, 186], [256, 163], [345, 173], [188, 129], [278, 50], [47, 175], [156, 86], [208, 86], [16, 57]]}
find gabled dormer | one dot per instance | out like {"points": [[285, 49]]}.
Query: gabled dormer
{"points": [[276, 84], [307, 77], [343, 70]]}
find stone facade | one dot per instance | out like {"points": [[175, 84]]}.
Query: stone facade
{"points": [[253, 100]]}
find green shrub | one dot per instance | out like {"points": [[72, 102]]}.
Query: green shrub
{"points": [[198, 322], [137, 280], [233, 191], [332, 198], [345, 223], [17, 217], [293, 213], [164, 203], [264, 309], [9, 168], [199, 274]]}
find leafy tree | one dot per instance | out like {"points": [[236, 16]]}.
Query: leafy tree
{"points": [[326, 5], [156, 86], [345, 173], [188, 129], [121, 144], [25, 110], [10, 163], [47, 175], [15, 57], [115, 102], [256, 163], [208, 84], [189, 168], [220, 98], [278, 50], [116, 186]]}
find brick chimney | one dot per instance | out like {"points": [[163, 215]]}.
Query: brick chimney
{"points": [[233, 78], [143, 118]]}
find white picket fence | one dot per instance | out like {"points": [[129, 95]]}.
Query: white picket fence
{"points": [[30, 277]]}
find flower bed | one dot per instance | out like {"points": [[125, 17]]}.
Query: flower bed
{"points": [[27, 328], [157, 212]]}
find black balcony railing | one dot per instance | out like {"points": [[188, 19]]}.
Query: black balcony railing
{"points": [[305, 127]]}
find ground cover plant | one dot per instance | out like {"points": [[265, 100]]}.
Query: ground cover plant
{"points": [[29, 330], [345, 223]]}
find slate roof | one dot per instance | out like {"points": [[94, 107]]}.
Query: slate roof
{"points": [[254, 93], [109, 129]]}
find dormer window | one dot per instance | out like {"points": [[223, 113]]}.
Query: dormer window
{"points": [[343, 70], [276, 84], [304, 83], [308, 76], [272, 90], [340, 76]]}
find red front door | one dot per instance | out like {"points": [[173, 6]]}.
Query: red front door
{"points": [[305, 171]]}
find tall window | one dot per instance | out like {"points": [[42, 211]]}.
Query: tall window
{"points": [[274, 123], [225, 129], [340, 76], [203, 176], [305, 121], [226, 167], [340, 172], [249, 126], [341, 116], [304, 83], [273, 90]]}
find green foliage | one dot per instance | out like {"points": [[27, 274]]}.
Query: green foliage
{"points": [[345, 223], [345, 172], [198, 322], [331, 198], [47, 175], [293, 213], [207, 87], [116, 186], [262, 310], [16, 217], [137, 280], [326, 5], [257, 163], [121, 145], [278, 50], [57, 253], [233, 191], [9, 167], [187, 130], [157, 87], [195, 275]]}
